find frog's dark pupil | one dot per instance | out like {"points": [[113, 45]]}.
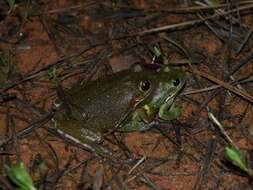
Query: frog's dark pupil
{"points": [[145, 85], [176, 82]]}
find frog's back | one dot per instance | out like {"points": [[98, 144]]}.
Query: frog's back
{"points": [[101, 103]]}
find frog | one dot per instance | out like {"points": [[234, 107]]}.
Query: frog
{"points": [[125, 101]]}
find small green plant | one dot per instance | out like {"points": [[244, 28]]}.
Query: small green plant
{"points": [[52, 74], [114, 3], [11, 3], [42, 168], [19, 176], [125, 188], [237, 158], [158, 54]]}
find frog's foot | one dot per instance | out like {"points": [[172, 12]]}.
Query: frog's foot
{"points": [[98, 149], [139, 126], [133, 125], [148, 126], [169, 112], [87, 142]]}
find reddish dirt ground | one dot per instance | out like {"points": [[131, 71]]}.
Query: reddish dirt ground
{"points": [[52, 36]]}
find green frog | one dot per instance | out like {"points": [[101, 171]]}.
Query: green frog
{"points": [[125, 101]]}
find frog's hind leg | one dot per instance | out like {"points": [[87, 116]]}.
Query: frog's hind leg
{"points": [[169, 111], [75, 132]]}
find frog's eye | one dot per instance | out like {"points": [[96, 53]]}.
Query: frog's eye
{"points": [[176, 82], [144, 85]]}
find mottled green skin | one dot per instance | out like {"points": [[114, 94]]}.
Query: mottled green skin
{"points": [[88, 112]]}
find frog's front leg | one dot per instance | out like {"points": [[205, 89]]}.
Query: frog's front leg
{"points": [[169, 111], [140, 120]]}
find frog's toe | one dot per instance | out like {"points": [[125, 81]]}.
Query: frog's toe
{"points": [[132, 126], [147, 127]]}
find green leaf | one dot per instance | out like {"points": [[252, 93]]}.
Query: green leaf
{"points": [[19, 176], [52, 74], [11, 3], [42, 168], [156, 51], [125, 188], [237, 158], [159, 54]]}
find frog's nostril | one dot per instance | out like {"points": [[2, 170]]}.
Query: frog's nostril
{"points": [[176, 82]]}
